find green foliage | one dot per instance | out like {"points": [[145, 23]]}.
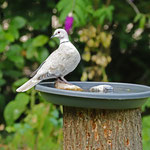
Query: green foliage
{"points": [[18, 22], [146, 132], [147, 104], [25, 114], [78, 7], [37, 129], [40, 40], [15, 108], [121, 36], [104, 13], [82, 15], [141, 18], [42, 54], [14, 55]]}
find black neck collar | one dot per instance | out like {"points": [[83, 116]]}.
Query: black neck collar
{"points": [[64, 42]]}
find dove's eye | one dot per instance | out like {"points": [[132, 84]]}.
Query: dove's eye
{"points": [[58, 32]]}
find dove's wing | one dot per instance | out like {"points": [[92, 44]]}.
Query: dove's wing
{"points": [[34, 73], [61, 62]]}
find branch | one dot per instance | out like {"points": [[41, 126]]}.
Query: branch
{"points": [[133, 6], [108, 2]]}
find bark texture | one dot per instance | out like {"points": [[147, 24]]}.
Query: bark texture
{"points": [[90, 129]]}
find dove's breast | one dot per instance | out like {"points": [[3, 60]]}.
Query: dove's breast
{"points": [[70, 58], [63, 60]]}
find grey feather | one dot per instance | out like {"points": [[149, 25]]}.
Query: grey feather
{"points": [[45, 76], [28, 85], [34, 73]]}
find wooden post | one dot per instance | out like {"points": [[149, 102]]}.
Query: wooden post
{"points": [[96, 129]]}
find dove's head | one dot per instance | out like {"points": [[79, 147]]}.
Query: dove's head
{"points": [[60, 34]]}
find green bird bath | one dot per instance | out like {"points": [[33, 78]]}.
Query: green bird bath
{"points": [[99, 121], [124, 96]]}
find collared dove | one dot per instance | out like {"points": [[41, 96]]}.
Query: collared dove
{"points": [[60, 63]]}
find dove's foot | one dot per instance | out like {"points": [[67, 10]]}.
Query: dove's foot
{"points": [[65, 81], [60, 81]]}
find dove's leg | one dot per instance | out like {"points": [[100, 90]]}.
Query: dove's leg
{"points": [[64, 80], [59, 80]]}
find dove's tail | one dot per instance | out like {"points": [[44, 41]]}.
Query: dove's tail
{"points": [[28, 85]]}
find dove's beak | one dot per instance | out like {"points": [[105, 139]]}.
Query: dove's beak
{"points": [[52, 36]]}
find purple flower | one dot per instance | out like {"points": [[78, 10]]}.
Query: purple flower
{"points": [[68, 23]]}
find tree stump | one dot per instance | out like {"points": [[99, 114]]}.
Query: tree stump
{"points": [[96, 129]]}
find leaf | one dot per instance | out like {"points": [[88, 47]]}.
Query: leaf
{"points": [[9, 37], [13, 73], [142, 22], [37, 117], [31, 52], [14, 50], [14, 54], [13, 31], [20, 82], [10, 129], [111, 7], [65, 12], [101, 19], [27, 44], [80, 14], [18, 22], [42, 54], [147, 104], [83, 3], [1, 29], [2, 82], [104, 13], [55, 113], [137, 17], [23, 98], [15, 108], [3, 44], [40, 21], [109, 14], [63, 3], [54, 121], [52, 43], [11, 113], [76, 20], [19, 61], [40, 40], [146, 132], [80, 11], [2, 33], [99, 12], [30, 49], [90, 10]]}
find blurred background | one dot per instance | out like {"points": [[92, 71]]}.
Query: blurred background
{"points": [[113, 38]]}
